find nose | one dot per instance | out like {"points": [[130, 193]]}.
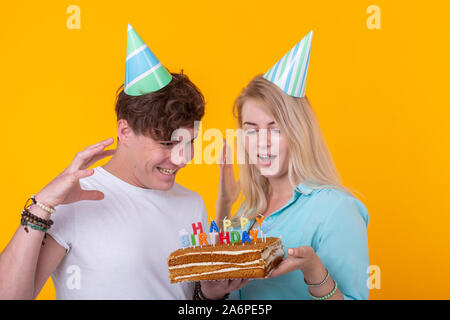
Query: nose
{"points": [[181, 154], [264, 140]]}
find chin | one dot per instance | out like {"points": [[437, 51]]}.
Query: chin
{"points": [[164, 185]]}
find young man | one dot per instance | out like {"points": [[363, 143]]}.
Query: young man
{"points": [[116, 247]]}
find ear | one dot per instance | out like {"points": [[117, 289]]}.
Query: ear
{"points": [[124, 132]]}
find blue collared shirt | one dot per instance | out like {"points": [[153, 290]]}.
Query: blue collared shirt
{"points": [[334, 224]]}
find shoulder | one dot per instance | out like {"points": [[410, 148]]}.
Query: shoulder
{"points": [[335, 203]]}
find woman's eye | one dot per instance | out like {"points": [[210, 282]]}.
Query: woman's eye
{"points": [[276, 130], [250, 131]]}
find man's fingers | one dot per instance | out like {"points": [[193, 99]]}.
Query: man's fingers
{"points": [[85, 156], [104, 143], [97, 157], [92, 195], [77, 175]]}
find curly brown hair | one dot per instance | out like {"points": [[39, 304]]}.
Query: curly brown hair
{"points": [[157, 114]]}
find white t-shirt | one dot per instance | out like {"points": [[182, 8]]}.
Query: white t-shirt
{"points": [[117, 248]]}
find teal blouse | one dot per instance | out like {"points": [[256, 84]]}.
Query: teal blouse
{"points": [[334, 224]]}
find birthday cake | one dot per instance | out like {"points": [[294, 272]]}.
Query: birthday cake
{"points": [[247, 260]]}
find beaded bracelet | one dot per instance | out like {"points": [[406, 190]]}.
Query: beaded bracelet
{"points": [[328, 295], [28, 216], [42, 206], [33, 226], [198, 294], [26, 220]]}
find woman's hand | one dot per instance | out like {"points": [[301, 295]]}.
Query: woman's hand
{"points": [[65, 188], [229, 188], [314, 272], [215, 290], [304, 259]]}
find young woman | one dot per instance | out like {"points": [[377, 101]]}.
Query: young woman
{"points": [[296, 188]]}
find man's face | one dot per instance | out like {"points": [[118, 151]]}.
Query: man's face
{"points": [[153, 162]]}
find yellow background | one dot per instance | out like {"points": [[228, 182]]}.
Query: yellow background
{"points": [[382, 98]]}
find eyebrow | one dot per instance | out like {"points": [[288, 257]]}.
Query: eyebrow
{"points": [[254, 124]]}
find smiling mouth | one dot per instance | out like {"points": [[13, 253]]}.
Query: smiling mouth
{"points": [[266, 156], [167, 172]]}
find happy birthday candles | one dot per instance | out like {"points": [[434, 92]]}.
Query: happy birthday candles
{"points": [[215, 236]]}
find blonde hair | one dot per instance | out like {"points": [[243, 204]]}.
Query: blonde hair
{"points": [[309, 160]]}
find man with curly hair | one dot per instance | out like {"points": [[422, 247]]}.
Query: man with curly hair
{"points": [[117, 246]]}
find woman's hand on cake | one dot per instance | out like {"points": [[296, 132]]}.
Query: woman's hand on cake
{"points": [[304, 259], [65, 188], [215, 290]]}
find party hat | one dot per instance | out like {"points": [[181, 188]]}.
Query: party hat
{"points": [[143, 71], [289, 73]]}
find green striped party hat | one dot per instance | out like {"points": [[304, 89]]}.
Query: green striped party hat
{"points": [[143, 71], [289, 73]]}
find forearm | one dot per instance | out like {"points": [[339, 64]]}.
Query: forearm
{"points": [[19, 259], [223, 210], [316, 276]]}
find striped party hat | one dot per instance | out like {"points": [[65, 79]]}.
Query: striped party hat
{"points": [[289, 73], [143, 71]]}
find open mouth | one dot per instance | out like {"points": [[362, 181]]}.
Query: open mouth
{"points": [[167, 172], [266, 157]]}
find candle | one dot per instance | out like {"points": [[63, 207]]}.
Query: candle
{"points": [[254, 233], [214, 237], [245, 237], [234, 237], [184, 238], [265, 228], [244, 222], [213, 226], [224, 237], [202, 239], [226, 224]]}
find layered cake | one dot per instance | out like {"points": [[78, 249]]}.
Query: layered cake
{"points": [[225, 261]]}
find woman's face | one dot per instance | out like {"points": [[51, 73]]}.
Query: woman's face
{"points": [[264, 142]]}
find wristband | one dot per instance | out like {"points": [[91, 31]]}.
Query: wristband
{"points": [[198, 294], [42, 206], [314, 285], [328, 295]]}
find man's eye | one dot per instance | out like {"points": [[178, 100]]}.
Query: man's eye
{"points": [[166, 144]]}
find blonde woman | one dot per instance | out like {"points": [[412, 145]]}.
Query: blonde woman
{"points": [[297, 190]]}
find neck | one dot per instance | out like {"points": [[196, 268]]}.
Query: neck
{"points": [[120, 166], [280, 186]]}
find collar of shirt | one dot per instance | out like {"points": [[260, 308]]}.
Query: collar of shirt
{"points": [[301, 189]]}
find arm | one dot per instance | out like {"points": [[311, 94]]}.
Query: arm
{"points": [[341, 248], [229, 188], [24, 264], [19, 261]]}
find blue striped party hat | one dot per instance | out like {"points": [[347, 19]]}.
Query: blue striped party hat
{"points": [[289, 73], [143, 71]]}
